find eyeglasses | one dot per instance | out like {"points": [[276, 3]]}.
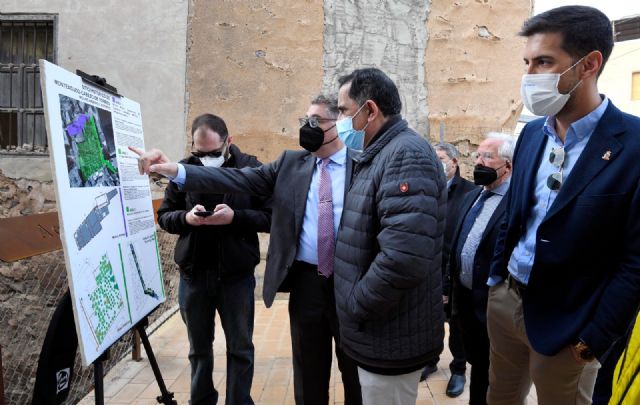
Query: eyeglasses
{"points": [[314, 122], [213, 153], [482, 155], [556, 158]]}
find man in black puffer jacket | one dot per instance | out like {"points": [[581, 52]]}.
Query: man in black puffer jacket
{"points": [[389, 249], [217, 255]]}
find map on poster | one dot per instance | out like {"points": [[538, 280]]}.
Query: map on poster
{"points": [[106, 215]]}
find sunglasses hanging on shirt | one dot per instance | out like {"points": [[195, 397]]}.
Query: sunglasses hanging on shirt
{"points": [[556, 158]]}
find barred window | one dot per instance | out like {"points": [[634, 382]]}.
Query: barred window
{"points": [[24, 39]]}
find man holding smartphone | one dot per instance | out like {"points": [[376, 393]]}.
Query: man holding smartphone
{"points": [[217, 252]]}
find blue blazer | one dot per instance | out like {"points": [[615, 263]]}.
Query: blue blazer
{"points": [[585, 281]]}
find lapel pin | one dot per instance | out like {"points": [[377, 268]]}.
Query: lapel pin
{"points": [[404, 187], [607, 155]]}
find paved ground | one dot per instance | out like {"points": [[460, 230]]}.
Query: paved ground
{"points": [[133, 382]]}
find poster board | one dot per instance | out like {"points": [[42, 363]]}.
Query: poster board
{"points": [[106, 216]]}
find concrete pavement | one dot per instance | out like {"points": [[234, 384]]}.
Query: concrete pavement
{"points": [[133, 382]]}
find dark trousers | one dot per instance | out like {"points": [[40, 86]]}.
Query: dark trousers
{"points": [[476, 346], [458, 364], [314, 327], [200, 297]]}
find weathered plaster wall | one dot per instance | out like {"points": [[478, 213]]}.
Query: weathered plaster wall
{"points": [[473, 67], [257, 64], [390, 35], [139, 47]]}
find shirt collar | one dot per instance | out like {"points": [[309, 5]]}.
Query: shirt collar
{"points": [[580, 129], [339, 157], [502, 188]]}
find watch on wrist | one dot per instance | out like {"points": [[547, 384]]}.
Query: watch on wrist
{"points": [[583, 351]]}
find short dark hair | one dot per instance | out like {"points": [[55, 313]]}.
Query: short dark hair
{"points": [[373, 84], [583, 29], [213, 122], [451, 151], [330, 102]]}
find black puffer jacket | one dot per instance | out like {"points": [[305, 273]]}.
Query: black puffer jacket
{"points": [[230, 250], [389, 253]]}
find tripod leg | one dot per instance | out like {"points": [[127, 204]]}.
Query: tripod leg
{"points": [[166, 397], [98, 378]]}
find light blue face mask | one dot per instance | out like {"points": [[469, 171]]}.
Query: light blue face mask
{"points": [[351, 137]]}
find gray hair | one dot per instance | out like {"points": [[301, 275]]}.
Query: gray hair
{"points": [[447, 148], [328, 101], [508, 144]]}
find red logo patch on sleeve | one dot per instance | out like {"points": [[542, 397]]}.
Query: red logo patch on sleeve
{"points": [[404, 187]]}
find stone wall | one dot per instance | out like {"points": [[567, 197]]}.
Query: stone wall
{"points": [[257, 64], [389, 35], [473, 67]]}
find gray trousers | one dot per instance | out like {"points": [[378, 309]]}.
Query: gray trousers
{"points": [[380, 389]]}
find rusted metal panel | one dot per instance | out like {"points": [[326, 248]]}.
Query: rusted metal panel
{"points": [[31, 235]]}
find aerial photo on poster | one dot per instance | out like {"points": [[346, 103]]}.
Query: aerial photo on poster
{"points": [[89, 143]]}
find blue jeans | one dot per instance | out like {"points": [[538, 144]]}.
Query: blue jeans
{"points": [[200, 296]]}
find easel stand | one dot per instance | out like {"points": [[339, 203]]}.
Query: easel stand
{"points": [[165, 396]]}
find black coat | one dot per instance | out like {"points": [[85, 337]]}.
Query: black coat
{"points": [[232, 250], [482, 260], [585, 280], [457, 191], [388, 253]]}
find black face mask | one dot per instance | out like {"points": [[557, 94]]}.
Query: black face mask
{"points": [[312, 138], [483, 175]]}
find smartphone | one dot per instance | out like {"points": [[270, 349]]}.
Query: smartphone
{"points": [[203, 213]]}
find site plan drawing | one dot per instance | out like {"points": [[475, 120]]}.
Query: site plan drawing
{"points": [[105, 300], [90, 226], [106, 216]]}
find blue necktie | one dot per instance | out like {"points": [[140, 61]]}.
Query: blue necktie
{"points": [[470, 219]]}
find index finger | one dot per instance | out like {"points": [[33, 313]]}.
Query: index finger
{"points": [[135, 150]]}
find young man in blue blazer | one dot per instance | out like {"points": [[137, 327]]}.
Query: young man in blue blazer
{"points": [[566, 274]]}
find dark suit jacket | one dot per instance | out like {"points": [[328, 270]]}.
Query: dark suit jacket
{"points": [[482, 260], [287, 181], [456, 193], [585, 281]]}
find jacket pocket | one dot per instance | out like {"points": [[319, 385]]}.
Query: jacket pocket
{"points": [[601, 200]]}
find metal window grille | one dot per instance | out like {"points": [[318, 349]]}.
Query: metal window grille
{"points": [[23, 41]]}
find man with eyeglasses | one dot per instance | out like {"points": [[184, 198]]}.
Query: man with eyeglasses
{"points": [[217, 252], [308, 189], [473, 242], [566, 274]]}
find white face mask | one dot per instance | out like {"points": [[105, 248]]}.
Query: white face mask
{"points": [[540, 92], [210, 161]]}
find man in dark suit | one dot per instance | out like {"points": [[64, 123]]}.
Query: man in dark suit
{"points": [[480, 215], [457, 187], [566, 273], [297, 182]]}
